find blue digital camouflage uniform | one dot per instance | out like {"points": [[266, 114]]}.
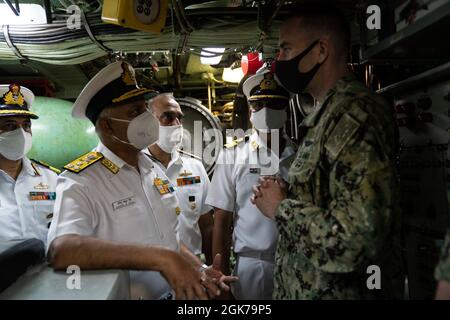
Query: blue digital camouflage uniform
{"points": [[341, 209], [443, 267]]}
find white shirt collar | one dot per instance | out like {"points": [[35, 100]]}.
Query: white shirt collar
{"points": [[176, 158], [110, 155], [27, 167], [256, 142], [107, 153]]}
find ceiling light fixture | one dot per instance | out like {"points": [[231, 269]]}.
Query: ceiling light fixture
{"points": [[211, 56]]}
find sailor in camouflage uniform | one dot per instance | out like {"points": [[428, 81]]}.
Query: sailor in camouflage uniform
{"points": [[340, 212], [442, 272]]}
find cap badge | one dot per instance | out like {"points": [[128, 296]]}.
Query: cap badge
{"points": [[128, 74], [14, 96], [268, 83]]}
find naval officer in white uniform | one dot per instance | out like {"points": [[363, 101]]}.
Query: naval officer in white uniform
{"points": [[27, 187], [239, 167], [186, 173], [115, 208]]}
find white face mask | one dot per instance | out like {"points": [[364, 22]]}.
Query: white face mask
{"points": [[170, 137], [267, 119], [142, 130], [14, 145]]}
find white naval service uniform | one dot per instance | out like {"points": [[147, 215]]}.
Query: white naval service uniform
{"points": [[182, 171], [254, 236], [26, 204], [113, 201]]}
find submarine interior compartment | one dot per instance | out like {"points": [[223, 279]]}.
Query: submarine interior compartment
{"points": [[201, 51]]}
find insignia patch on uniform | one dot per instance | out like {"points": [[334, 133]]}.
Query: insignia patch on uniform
{"points": [[192, 203], [111, 166], [163, 186], [83, 162], [341, 135], [123, 203], [255, 145], [41, 186], [188, 181], [185, 173], [255, 170], [41, 196]]}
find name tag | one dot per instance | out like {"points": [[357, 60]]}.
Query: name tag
{"points": [[188, 181], [123, 203], [40, 196], [255, 170]]}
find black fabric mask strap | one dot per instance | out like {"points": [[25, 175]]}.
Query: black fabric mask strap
{"points": [[306, 51]]}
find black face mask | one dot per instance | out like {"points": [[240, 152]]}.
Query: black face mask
{"points": [[288, 75]]}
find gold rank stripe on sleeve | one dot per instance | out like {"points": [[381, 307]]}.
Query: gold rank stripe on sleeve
{"points": [[111, 166], [84, 162], [45, 165], [188, 181]]}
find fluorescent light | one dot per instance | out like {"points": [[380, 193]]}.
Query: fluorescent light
{"points": [[233, 75], [30, 13], [211, 55]]}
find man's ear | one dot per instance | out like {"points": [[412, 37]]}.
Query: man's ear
{"points": [[324, 50], [104, 125]]}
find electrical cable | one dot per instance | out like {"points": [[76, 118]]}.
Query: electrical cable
{"points": [[56, 44]]}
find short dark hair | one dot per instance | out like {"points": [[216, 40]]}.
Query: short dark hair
{"points": [[322, 16]]}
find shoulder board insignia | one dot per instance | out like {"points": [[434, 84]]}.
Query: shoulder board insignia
{"points": [[341, 135], [189, 154], [236, 142], [46, 165], [83, 162], [111, 166]]}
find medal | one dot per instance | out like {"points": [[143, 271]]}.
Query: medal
{"points": [[163, 186], [41, 196], [187, 181]]}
